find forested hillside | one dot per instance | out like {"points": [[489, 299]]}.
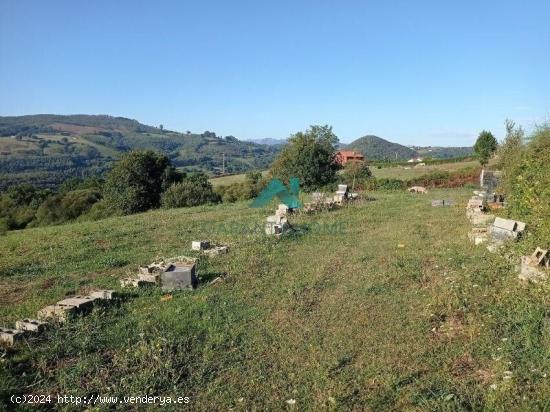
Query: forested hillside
{"points": [[47, 149]]}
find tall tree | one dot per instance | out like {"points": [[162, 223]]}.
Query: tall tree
{"points": [[309, 156], [485, 146], [137, 180]]}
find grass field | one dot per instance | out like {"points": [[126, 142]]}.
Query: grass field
{"points": [[399, 172], [382, 305], [227, 180]]}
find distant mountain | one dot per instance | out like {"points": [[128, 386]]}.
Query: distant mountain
{"points": [[45, 149], [376, 148], [268, 141]]}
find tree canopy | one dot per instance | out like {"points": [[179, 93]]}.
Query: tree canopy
{"points": [[309, 156], [485, 146]]}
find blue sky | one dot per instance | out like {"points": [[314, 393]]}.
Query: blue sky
{"points": [[415, 72]]}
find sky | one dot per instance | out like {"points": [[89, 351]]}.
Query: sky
{"points": [[413, 72]]}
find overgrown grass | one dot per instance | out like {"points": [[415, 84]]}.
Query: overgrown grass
{"points": [[397, 310]]}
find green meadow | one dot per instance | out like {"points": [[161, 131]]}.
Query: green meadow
{"points": [[383, 304]]}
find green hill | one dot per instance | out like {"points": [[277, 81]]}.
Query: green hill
{"points": [[46, 149], [376, 148]]}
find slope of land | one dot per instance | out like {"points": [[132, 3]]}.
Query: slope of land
{"points": [[376, 148], [382, 305], [47, 149]]}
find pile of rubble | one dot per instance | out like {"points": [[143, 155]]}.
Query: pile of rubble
{"points": [[277, 224], [321, 202], [535, 267], [205, 247], [60, 312], [173, 274]]}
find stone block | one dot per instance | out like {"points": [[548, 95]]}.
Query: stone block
{"points": [[57, 312], [480, 218], [200, 245], [105, 294], [438, 203], [181, 276], [343, 188], [10, 336], [30, 325]]}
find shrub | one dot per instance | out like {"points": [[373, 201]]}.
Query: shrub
{"points": [[192, 191], [249, 189], [63, 207], [528, 183]]}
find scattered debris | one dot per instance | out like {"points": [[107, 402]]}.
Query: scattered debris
{"points": [[536, 267], [478, 235], [418, 189], [105, 294]]}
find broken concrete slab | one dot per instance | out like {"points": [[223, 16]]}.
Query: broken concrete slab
{"points": [[530, 270], [149, 277], [505, 229], [105, 294], [30, 325], [133, 283], [478, 235], [217, 250], [476, 203], [180, 276], [81, 303], [200, 245], [480, 218], [57, 312], [342, 188], [10, 336]]}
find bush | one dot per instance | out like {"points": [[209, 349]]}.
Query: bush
{"points": [[354, 173], [64, 207], [192, 191], [249, 189], [528, 184], [374, 183]]}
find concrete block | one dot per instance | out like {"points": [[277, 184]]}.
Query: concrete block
{"points": [[541, 257], [10, 336], [81, 303], [59, 313], [531, 271], [181, 276], [200, 245], [505, 224], [30, 325], [218, 250], [106, 294], [149, 278], [438, 203], [480, 219], [343, 188]]}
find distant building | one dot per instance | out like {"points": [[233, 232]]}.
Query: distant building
{"points": [[344, 156], [413, 160]]}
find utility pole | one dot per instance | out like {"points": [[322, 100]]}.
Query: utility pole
{"points": [[223, 163]]}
